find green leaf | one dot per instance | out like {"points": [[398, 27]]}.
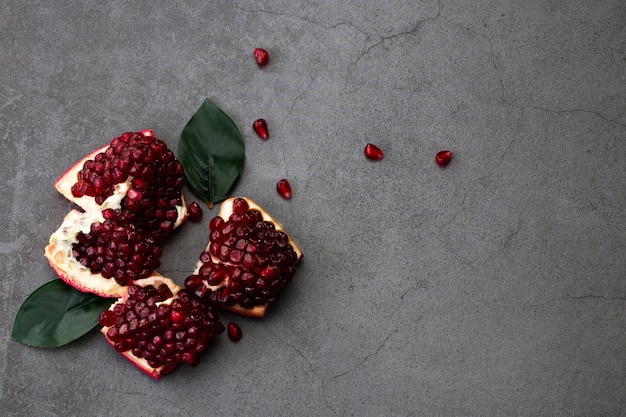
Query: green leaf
{"points": [[56, 314], [212, 152]]}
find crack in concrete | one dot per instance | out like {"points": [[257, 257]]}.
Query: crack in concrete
{"points": [[597, 296], [413, 29], [293, 16], [566, 111]]}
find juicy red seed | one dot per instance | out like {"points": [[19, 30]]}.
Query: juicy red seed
{"points": [[284, 189], [195, 212], [234, 332], [240, 205], [261, 56], [443, 158], [108, 318], [373, 152], [260, 127], [216, 223]]}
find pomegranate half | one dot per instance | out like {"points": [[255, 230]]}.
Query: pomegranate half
{"points": [[249, 260], [130, 193], [157, 326]]}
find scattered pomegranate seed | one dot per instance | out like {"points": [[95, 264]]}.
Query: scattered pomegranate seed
{"points": [[195, 212], [373, 152], [260, 127], [284, 189], [261, 56], [443, 158], [234, 332]]}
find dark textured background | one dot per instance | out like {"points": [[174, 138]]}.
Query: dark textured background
{"points": [[494, 287]]}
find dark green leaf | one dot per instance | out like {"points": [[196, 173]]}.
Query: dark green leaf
{"points": [[212, 152], [56, 314]]}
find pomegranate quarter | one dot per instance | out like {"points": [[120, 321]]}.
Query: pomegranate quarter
{"points": [[158, 326], [249, 260]]}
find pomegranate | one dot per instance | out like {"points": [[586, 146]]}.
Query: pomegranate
{"points": [[234, 332], [284, 189], [249, 260], [443, 158], [260, 127], [373, 152], [261, 56], [130, 192], [158, 326], [195, 212]]}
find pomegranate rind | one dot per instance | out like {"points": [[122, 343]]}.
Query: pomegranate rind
{"points": [[156, 280], [59, 252], [226, 209]]}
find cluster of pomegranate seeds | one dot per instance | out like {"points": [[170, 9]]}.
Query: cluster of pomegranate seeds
{"points": [[164, 334], [261, 56], [443, 158], [234, 332], [195, 212], [260, 127], [116, 252], [284, 189], [249, 262], [373, 152], [155, 187]]}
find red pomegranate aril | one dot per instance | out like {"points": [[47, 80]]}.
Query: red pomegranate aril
{"points": [[195, 212], [260, 127], [234, 332], [284, 189], [373, 152], [443, 158], [261, 56]]}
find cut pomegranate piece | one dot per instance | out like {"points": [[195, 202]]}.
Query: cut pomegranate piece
{"points": [[234, 332], [261, 56], [249, 260], [443, 158], [158, 326], [284, 189], [131, 195], [260, 127], [373, 152]]}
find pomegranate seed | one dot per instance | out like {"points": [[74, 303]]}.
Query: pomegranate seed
{"points": [[443, 158], [234, 332], [260, 127], [284, 189], [261, 56], [373, 152], [108, 318], [195, 212]]}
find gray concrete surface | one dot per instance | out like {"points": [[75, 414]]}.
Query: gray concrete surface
{"points": [[494, 287]]}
